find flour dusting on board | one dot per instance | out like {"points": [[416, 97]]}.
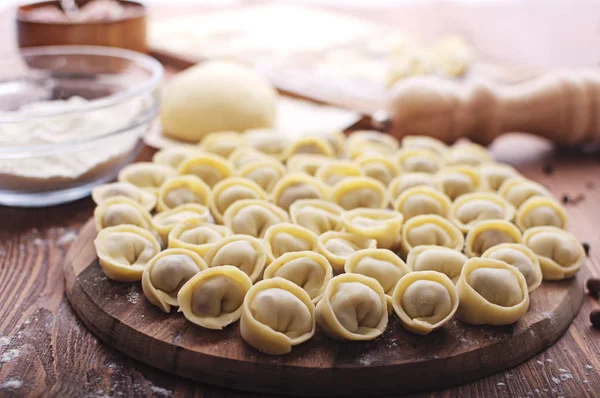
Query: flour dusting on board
{"points": [[11, 384]]}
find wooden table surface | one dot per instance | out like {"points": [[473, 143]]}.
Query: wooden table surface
{"points": [[46, 351]]}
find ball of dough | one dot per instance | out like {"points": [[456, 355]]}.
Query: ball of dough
{"points": [[216, 96]]}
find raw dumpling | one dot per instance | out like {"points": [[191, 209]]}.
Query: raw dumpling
{"points": [[418, 160], [381, 264], [353, 307], [119, 211], [424, 142], [519, 256], [264, 172], [276, 315], [242, 251], [317, 215], [468, 153], [146, 175], [383, 225], [310, 145], [174, 155], [196, 235], [460, 180], [229, 191], [370, 142], [335, 138], [469, 209], [494, 174], [268, 142], [430, 229], [354, 192], [560, 254], [124, 189], [335, 171], [378, 167], [410, 180], [208, 167], [488, 233], [124, 251], [166, 273], [164, 222], [422, 200], [253, 217], [539, 211], [491, 292], [437, 258], [243, 157], [285, 238], [338, 246], [306, 163], [517, 190], [177, 191], [307, 269], [222, 143], [296, 186], [213, 298], [424, 301]]}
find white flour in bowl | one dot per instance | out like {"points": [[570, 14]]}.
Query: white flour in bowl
{"points": [[68, 166]]}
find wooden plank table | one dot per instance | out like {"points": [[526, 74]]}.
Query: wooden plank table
{"points": [[46, 351]]}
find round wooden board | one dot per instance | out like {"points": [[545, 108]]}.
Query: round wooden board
{"points": [[396, 363]]}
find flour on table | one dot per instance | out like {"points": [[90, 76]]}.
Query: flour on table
{"points": [[161, 392], [11, 384], [9, 355]]}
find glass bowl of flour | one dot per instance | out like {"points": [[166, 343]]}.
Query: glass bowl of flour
{"points": [[70, 118]]}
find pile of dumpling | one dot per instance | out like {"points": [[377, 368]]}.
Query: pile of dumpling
{"points": [[335, 231]]}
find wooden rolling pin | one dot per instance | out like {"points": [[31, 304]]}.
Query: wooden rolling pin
{"points": [[561, 106]]}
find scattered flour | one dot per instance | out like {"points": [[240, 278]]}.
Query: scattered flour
{"points": [[556, 380], [589, 367], [11, 384], [500, 384], [539, 362], [4, 341], [565, 376], [68, 237], [561, 370], [38, 241], [9, 355], [161, 392], [549, 360], [133, 296]]}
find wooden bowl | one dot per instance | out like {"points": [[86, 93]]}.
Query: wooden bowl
{"points": [[128, 32]]}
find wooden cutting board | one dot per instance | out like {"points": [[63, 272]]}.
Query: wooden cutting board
{"points": [[397, 362]]}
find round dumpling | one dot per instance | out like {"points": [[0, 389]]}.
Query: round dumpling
{"points": [[317, 215], [146, 175], [208, 167], [380, 168], [517, 190], [469, 154], [268, 142], [181, 190], [310, 145], [422, 200], [437, 258], [488, 233], [296, 186], [120, 210], [430, 229], [244, 156], [519, 256], [286, 238], [222, 143], [242, 251], [264, 172], [213, 298], [460, 180], [253, 217], [354, 192], [539, 211], [196, 235], [424, 142], [418, 160], [491, 292], [164, 222], [410, 180], [424, 301], [124, 251], [353, 307], [229, 191], [338, 246], [175, 155], [124, 189], [560, 254], [306, 163], [469, 209], [370, 142], [336, 138], [166, 273], [383, 225], [494, 174], [276, 315], [307, 269], [335, 171]]}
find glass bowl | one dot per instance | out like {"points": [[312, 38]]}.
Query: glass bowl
{"points": [[70, 118]]}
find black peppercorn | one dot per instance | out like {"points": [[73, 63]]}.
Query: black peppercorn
{"points": [[595, 319], [593, 286]]}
